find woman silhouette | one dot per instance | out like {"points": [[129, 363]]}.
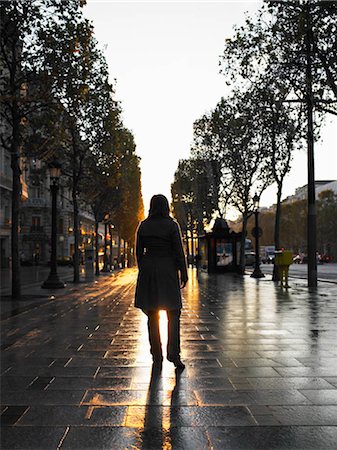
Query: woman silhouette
{"points": [[160, 258]]}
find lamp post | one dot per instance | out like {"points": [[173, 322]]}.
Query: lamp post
{"points": [[257, 232], [111, 227], [53, 281], [105, 257]]}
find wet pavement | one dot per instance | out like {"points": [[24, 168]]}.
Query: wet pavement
{"points": [[261, 370]]}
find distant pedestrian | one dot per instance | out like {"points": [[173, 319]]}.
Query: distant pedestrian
{"points": [[162, 273]]}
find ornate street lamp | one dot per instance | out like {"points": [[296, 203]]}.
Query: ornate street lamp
{"points": [[53, 281], [111, 227], [105, 257], [257, 233]]}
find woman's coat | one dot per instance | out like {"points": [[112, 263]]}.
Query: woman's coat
{"points": [[160, 256]]}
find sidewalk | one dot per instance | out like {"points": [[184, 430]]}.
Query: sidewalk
{"points": [[32, 293], [33, 276], [261, 370]]}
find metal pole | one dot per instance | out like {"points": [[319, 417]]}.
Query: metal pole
{"points": [[53, 264], [105, 257], [257, 271], [53, 281], [110, 255], [311, 237]]}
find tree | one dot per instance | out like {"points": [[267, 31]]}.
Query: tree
{"points": [[20, 47], [130, 210], [294, 42], [86, 96]]}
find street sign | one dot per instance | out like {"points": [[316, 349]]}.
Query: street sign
{"points": [[257, 232]]}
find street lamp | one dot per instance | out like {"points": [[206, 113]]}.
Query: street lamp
{"points": [[105, 257], [53, 281], [111, 227], [257, 232]]}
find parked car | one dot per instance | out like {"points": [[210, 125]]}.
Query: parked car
{"points": [[326, 258], [297, 259], [250, 258], [65, 261], [267, 253]]}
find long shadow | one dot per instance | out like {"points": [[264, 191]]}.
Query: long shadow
{"points": [[157, 431], [175, 436], [152, 435]]}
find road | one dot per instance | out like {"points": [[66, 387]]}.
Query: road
{"points": [[326, 272]]}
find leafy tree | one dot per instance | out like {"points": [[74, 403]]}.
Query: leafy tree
{"points": [[270, 52], [274, 42], [20, 51], [85, 94], [130, 210]]}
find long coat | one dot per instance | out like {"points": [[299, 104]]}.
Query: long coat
{"points": [[160, 257]]}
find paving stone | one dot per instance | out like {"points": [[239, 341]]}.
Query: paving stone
{"points": [[220, 397], [14, 383], [82, 384], [188, 416], [55, 371], [187, 438], [12, 414], [73, 415], [255, 362], [251, 372], [331, 380], [266, 420], [306, 371], [272, 438], [41, 397], [321, 396], [305, 415], [278, 397], [290, 383], [31, 438], [133, 397], [111, 438]]}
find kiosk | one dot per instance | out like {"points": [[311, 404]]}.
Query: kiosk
{"points": [[219, 250]]}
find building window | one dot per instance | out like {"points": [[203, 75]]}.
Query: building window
{"points": [[7, 164], [60, 226], [36, 221]]}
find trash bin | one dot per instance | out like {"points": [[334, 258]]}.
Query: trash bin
{"points": [[89, 260], [283, 259]]}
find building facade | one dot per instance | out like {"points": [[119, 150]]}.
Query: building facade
{"points": [[35, 221]]}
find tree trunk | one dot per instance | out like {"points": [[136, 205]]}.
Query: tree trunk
{"points": [[242, 265], [277, 229], [96, 248], [16, 201], [124, 255], [110, 245], [76, 257]]}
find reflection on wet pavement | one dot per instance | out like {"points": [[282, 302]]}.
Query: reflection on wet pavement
{"points": [[261, 370]]}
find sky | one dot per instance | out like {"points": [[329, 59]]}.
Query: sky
{"points": [[165, 58]]}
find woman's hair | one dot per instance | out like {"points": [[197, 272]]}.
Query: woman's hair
{"points": [[159, 206]]}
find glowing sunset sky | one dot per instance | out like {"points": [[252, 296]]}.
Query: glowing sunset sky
{"points": [[165, 57]]}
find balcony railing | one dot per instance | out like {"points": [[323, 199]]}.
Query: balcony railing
{"points": [[36, 229], [5, 223], [36, 202], [6, 181]]}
